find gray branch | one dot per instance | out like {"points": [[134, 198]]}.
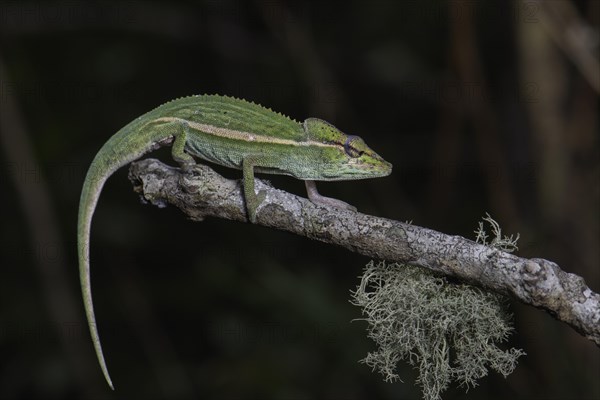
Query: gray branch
{"points": [[537, 282]]}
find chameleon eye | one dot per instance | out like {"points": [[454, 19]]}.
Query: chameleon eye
{"points": [[350, 149]]}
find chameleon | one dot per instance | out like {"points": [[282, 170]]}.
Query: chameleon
{"points": [[234, 133]]}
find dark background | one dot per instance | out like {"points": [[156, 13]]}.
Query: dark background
{"points": [[480, 106]]}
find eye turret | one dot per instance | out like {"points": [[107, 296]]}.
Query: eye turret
{"points": [[353, 146]]}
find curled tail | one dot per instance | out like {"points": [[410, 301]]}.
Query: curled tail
{"points": [[92, 187], [125, 146]]}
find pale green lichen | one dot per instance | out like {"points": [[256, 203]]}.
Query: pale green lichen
{"points": [[448, 331], [506, 243]]}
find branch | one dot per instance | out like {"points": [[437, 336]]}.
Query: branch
{"points": [[537, 282]]}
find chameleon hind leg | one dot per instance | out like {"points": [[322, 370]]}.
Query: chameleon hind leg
{"points": [[178, 153]]}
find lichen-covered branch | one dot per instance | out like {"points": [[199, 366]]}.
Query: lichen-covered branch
{"points": [[537, 282]]}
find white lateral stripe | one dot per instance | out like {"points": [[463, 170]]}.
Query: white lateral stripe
{"points": [[241, 135]]}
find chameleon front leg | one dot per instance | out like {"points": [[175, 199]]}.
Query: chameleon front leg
{"points": [[252, 199], [317, 198]]}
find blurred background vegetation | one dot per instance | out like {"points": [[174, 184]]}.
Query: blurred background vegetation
{"points": [[481, 107]]}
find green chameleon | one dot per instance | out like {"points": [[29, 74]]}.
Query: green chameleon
{"points": [[230, 132]]}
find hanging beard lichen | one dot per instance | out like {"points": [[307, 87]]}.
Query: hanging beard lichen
{"points": [[448, 331]]}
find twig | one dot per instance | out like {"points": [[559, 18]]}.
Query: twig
{"points": [[537, 282]]}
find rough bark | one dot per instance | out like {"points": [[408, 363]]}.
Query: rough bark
{"points": [[537, 282]]}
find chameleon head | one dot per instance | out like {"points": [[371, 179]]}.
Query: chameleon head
{"points": [[344, 157]]}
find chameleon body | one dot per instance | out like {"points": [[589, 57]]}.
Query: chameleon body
{"points": [[229, 132]]}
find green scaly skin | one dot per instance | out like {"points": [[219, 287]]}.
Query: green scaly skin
{"points": [[229, 132]]}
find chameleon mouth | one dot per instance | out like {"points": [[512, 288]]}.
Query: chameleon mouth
{"points": [[358, 171], [374, 167], [382, 170]]}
